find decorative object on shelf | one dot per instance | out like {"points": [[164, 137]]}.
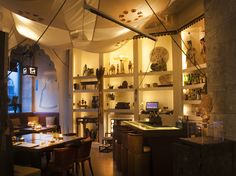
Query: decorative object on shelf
{"points": [[117, 69], [131, 86], [88, 71], [85, 69], [203, 49], [159, 57], [85, 83], [110, 86], [122, 59], [112, 69], [130, 67], [95, 102], [191, 55], [154, 84], [165, 79], [124, 85], [205, 108], [82, 104], [76, 86], [147, 85], [111, 96], [122, 105]]}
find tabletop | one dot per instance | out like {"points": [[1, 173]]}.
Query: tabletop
{"points": [[39, 142]]}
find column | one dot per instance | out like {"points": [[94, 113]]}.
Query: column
{"points": [[6, 160], [220, 19]]}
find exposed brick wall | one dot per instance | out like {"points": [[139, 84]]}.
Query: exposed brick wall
{"points": [[220, 18]]}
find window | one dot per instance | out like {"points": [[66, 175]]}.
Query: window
{"points": [[14, 91]]}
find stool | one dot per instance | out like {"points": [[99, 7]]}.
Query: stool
{"points": [[26, 171], [124, 151], [106, 143], [120, 130], [139, 156]]}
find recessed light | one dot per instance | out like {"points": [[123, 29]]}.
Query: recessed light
{"points": [[139, 13], [125, 12], [133, 10]]}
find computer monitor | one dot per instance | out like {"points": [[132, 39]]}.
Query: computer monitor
{"points": [[151, 106]]}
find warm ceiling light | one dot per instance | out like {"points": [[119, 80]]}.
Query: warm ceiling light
{"points": [[27, 32], [23, 19]]}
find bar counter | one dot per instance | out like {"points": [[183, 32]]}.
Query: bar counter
{"points": [[160, 139]]}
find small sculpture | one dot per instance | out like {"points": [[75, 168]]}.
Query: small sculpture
{"points": [[203, 49], [205, 108], [130, 67], [117, 69], [112, 69], [191, 54], [85, 69]]}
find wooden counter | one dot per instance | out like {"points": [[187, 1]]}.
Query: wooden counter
{"points": [[154, 131], [161, 140]]}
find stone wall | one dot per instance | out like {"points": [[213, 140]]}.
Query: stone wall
{"points": [[220, 19]]}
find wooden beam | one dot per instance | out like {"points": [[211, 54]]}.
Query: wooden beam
{"points": [[6, 159]]}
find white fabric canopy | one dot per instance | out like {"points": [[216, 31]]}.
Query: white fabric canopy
{"points": [[76, 27]]}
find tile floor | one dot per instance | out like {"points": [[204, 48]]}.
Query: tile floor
{"points": [[102, 163]]}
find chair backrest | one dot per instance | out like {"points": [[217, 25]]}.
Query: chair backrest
{"points": [[64, 157], [83, 151]]}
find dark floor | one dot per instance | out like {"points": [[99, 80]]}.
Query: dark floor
{"points": [[102, 163]]}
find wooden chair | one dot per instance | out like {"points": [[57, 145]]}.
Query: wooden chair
{"points": [[83, 154], [62, 161]]}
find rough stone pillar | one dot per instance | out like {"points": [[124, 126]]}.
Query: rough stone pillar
{"points": [[6, 162], [220, 19]]}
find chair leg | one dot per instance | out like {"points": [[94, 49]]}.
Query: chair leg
{"points": [[83, 169], [77, 168], [90, 166]]}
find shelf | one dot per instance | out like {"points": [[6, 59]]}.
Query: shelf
{"points": [[86, 91], [155, 88], [194, 86], [156, 73], [85, 110], [119, 75], [121, 111], [118, 90], [85, 77], [194, 102], [191, 69], [193, 117]]}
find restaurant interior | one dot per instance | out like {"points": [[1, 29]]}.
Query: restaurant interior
{"points": [[123, 88]]}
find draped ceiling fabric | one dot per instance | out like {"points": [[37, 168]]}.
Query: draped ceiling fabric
{"points": [[76, 27]]}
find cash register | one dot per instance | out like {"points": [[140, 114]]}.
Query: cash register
{"points": [[150, 107]]}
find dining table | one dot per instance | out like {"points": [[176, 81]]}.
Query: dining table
{"points": [[35, 149]]}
